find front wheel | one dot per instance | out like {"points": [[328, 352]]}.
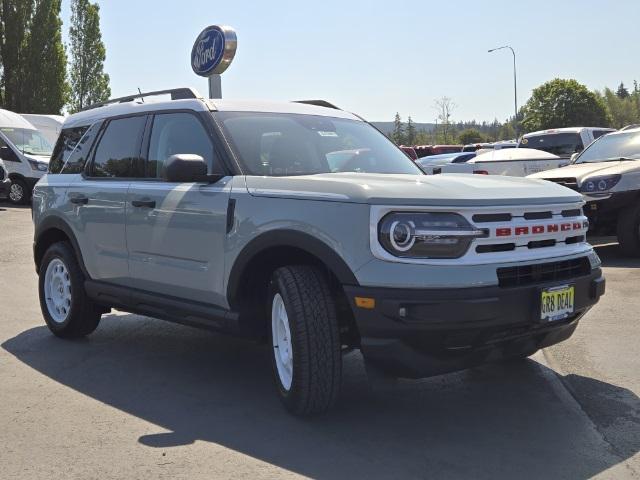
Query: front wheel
{"points": [[305, 340], [18, 192], [67, 310], [629, 231]]}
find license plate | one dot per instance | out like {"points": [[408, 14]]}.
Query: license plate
{"points": [[557, 303]]}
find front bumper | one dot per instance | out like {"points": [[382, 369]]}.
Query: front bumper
{"points": [[602, 212], [416, 333]]}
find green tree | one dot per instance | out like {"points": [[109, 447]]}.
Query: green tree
{"points": [[46, 85], [622, 110], [410, 136], [15, 17], [622, 92], [398, 135], [89, 83], [471, 135], [563, 103]]}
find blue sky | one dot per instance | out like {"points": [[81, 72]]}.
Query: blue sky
{"points": [[374, 57]]}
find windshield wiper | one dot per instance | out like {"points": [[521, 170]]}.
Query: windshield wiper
{"points": [[621, 159]]}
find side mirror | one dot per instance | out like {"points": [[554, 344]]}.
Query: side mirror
{"points": [[7, 154], [185, 168], [573, 157]]}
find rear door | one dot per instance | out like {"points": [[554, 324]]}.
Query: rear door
{"points": [[98, 199], [176, 231]]}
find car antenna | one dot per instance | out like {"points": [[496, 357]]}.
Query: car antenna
{"points": [[140, 92]]}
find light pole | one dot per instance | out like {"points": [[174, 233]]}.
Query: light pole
{"points": [[515, 85]]}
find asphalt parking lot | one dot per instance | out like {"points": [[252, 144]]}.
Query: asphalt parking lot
{"points": [[142, 398]]}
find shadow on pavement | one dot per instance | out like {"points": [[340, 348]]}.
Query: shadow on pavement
{"points": [[497, 421]]}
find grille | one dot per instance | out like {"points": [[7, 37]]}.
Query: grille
{"points": [[565, 182], [543, 272]]}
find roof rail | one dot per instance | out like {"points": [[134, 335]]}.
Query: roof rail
{"points": [[176, 94], [318, 103]]}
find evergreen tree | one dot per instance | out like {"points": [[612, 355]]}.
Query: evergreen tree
{"points": [[89, 83], [622, 92], [410, 136], [15, 16], [46, 62], [398, 130]]}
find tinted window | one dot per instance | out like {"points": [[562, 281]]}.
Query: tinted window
{"points": [[561, 144], [279, 144], [118, 148], [67, 141], [177, 133], [76, 161], [599, 133]]}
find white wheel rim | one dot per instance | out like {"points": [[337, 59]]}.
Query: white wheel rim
{"points": [[15, 192], [57, 290], [282, 350]]}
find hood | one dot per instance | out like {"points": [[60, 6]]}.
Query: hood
{"points": [[39, 158], [435, 190], [581, 171]]}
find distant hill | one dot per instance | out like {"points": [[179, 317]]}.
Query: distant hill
{"points": [[387, 127]]}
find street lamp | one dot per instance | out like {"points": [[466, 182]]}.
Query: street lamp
{"points": [[515, 85]]}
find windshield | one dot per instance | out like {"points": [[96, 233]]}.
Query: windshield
{"points": [[612, 147], [282, 144], [561, 144], [30, 142]]}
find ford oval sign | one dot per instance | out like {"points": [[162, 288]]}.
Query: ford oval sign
{"points": [[213, 50]]}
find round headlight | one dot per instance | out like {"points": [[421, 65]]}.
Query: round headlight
{"points": [[402, 235], [590, 187], [602, 185]]}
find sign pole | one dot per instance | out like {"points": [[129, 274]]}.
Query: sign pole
{"points": [[215, 86]]}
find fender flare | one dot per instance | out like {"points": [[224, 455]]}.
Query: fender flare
{"points": [[288, 238], [54, 222]]}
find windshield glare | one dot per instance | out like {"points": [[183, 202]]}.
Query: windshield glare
{"points": [[561, 144], [283, 144], [30, 142], [612, 147]]}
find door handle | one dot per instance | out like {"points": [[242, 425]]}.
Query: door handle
{"points": [[79, 200], [144, 203]]}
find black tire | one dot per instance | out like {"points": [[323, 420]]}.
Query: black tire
{"points": [[82, 316], [629, 231], [18, 192], [315, 339]]}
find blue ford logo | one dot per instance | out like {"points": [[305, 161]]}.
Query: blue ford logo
{"points": [[213, 50]]}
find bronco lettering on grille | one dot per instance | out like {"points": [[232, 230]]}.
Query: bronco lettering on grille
{"points": [[540, 229]]}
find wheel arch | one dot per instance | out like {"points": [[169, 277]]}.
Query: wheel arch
{"points": [[49, 231]]}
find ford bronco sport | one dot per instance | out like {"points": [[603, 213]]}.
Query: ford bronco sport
{"points": [[302, 224]]}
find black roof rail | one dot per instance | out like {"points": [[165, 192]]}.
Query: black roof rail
{"points": [[176, 94], [318, 103]]}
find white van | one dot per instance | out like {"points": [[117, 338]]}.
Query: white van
{"points": [[49, 125], [25, 153], [563, 142]]}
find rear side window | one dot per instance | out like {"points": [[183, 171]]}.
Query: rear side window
{"points": [[76, 161], [561, 144], [177, 133], [599, 133], [119, 148], [67, 141]]}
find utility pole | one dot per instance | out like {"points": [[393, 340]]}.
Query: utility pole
{"points": [[515, 85]]}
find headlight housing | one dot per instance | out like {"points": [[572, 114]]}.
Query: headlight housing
{"points": [[600, 184], [426, 234], [39, 166]]}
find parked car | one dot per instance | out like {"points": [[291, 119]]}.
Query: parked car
{"points": [[431, 165], [25, 154], [563, 142], [513, 162], [48, 125], [607, 173], [225, 215], [427, 150], [409, 151]]}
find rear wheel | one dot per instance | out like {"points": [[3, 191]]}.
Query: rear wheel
{"points": [[629, 231], [67, 310], [18, 192], [305, 339]]}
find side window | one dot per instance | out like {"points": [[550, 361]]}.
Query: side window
{"points": [[67, 141], [175, 133], [599, 133], [118, 148], [76, 161]]}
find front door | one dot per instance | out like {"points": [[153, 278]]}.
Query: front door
{"points": [[176, 231]]}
